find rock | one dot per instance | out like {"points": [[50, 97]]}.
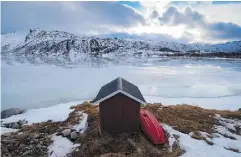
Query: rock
{"points": [[8, 125], [73, 135], [15, 126], [21, 122], [20, 133], [238, 130], [175, 144], [166, 145], [58, 133], [9, 112], [26, 153], [81, 136], [36, 135], [38, 146], [66, 132], [30, 147], [21, 146], [60, 129], [176, 136]]}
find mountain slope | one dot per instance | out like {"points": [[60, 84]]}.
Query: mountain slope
{"points": [[49, 46]]}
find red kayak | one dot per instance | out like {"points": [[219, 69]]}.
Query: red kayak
{"points": [[152, 128]]}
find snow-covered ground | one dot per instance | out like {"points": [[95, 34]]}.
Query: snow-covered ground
{"points": [[6, 130], [206, 83], [199, 148], [61, 146], [58, 112]]}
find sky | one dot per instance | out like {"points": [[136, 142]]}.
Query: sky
{"points": [[186, 22]]}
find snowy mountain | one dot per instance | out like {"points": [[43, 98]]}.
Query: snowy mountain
{"points": [[59, 46]]}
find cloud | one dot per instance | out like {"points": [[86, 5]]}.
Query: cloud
{"points": [[194, 20], [174, 17], [74, 16], [183, 21], [225, 30], [148, 36], [154, 14]]}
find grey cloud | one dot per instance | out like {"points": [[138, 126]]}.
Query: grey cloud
{"points": [[174, 17], [225, 30], [154, 14], [68, 16], [192, 19]]}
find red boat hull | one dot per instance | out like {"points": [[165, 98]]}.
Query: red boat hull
{"points": [[152, 128]]}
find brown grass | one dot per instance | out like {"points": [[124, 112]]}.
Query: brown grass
{"points": [[186, 118], [117, 145], [226, 113], [17, 144], [197, 135], [44, 127]]}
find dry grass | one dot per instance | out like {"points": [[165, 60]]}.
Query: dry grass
{"points": [[226, 113], [44, 127], [198, 136], [186, 118], [117, 145], [17, 144]]}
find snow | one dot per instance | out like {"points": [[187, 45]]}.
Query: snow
{"points": [[59, 112], [82, 125], [7, 130], [13, 39], [212, 84], [200, 148], [61, 146], [230, 124], [82, 43]]}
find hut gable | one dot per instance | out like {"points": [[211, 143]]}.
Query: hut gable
{"points": [[119, 85]]}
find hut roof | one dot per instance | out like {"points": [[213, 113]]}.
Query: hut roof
{"points": [[119, 85]]}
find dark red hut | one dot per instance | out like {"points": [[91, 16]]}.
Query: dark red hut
{"points": [[119, 104]]}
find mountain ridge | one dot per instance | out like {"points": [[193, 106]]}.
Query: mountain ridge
{"points": [[63, 46]]}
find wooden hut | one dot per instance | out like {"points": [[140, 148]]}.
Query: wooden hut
{"points": [[119, 104]]}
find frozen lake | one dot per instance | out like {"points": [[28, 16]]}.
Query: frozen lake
{"points": [[209, 83]]}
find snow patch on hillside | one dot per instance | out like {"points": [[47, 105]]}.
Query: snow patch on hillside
{"points": [[7, 130], [82, 124], [61, 147], [200, 148], [55, 113]]}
